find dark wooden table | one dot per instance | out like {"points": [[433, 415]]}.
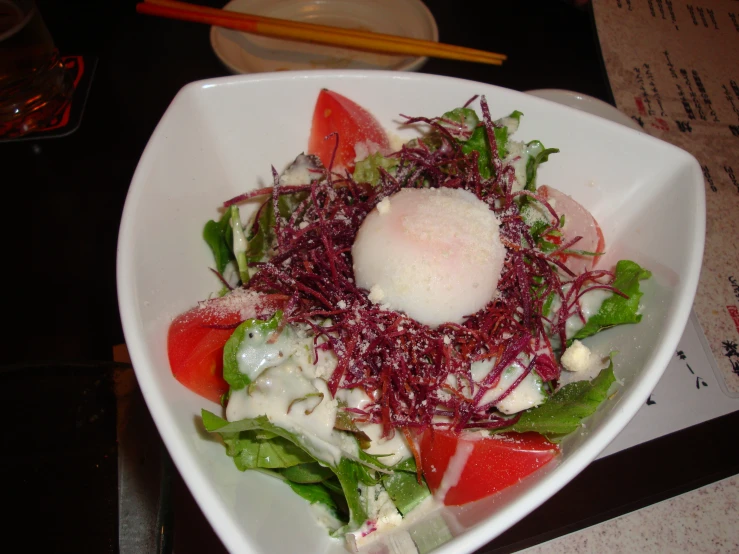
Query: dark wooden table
{"points": [[66, 196]]}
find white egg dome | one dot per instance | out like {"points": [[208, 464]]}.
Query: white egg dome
{"points": [[434, 254]]}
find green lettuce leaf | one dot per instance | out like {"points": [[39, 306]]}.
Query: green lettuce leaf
{"points": [[261, 331], [407, 465], [564, 412], [218, 236], [465, 121], [260, 243], [317, 493], [617, 310], [249, 450], [350, 473], [405, 490], [538, 154], [368, 169], [312, 472], [478, 141], [239, 238]]}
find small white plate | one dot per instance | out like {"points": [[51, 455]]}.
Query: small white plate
{"points": [[246, 53], [585, 103]]}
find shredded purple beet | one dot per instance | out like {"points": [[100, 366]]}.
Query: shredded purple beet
{"points": [[412, 371]]}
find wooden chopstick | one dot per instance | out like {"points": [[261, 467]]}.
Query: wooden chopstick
{"points": [[317, 34]]}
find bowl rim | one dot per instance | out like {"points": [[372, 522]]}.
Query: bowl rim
{"points": [[213, 507]]}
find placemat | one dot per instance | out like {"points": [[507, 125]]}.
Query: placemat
{"points": [[673, 67]]}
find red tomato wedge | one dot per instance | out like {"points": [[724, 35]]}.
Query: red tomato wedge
{"points": [[578, 223], [196, 338], [357, 129], [483, 464]]}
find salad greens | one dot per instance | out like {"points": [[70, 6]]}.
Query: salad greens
{"points": [[538, 154], [342, 489], [617, 309], [474, 138], [256, 332], [218, 236], [564, 412], [368, 169]]}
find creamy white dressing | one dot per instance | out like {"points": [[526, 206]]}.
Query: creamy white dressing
{"points": [[518, 157], [590, 304], [299, 172], [231, 274], [288, 399], [510, 122], [240, 243], [381, 515], [286, 383], [528, 394], [454, 469], [256, 353], [390, 451], [324, 517], [316, 363]]}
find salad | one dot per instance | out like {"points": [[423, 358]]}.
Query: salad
{"points": [[394, 320]]}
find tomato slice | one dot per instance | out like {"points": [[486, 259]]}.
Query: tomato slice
{"points": [[579, 222], [196, 338], [480, 464], [357, 129]]}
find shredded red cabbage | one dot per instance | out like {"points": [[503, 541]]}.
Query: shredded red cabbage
{"points": [[413, 372]]}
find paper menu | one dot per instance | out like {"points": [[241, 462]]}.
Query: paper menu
{"points": [[673, 67]]}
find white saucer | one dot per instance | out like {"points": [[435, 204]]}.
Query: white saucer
{"points": [[585, 103], [245, 53]]}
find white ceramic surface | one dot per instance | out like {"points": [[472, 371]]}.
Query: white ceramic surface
{"points": [[245, 53], [213, 143], [585, 103]]}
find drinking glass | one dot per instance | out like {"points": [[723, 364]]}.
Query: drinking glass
{"points": [[34, 85]]}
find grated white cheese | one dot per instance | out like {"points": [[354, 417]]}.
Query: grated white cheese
{"points": [[577, 357]]}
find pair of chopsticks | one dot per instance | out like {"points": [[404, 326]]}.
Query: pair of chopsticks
{"points": [[317, 34]]}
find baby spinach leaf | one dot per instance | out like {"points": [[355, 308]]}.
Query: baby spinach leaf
{"points": [[564, 412], [617, 310]]}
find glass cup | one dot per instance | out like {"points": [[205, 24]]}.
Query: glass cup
{"points": [[34, 85]]}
